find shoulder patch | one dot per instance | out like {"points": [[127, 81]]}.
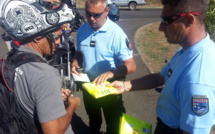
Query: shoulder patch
{"points": [[200, 104], [129, 44]]}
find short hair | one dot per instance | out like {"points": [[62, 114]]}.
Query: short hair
{"points": [[95, 2], [186, 6]]}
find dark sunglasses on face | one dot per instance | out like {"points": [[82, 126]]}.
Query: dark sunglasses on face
{"points": [[95, 15], [168, 20]]}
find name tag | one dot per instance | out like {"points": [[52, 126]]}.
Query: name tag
{"points": [[169, 72], [92, 43]]}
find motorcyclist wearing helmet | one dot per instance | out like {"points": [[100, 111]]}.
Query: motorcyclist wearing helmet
{"points": [[37, 84]]}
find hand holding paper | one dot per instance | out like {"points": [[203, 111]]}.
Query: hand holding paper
{"points": [[99, 90], [82, 78]]}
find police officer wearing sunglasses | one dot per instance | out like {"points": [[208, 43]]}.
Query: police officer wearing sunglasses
{"points": [[186, 103], [107, 55]]}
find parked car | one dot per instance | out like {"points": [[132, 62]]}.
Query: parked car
{"points": [[132, 4]]}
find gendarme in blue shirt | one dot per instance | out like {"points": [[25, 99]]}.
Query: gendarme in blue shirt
{"points": [[187, 100], [103, 49]]}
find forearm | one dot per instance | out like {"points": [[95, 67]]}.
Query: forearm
{"points": [[128, 66], [120, 71], [66, 119], [146, 82], [59, 125]]}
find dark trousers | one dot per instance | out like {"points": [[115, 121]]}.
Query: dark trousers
{"points": [[112, 106], [162, 128]]}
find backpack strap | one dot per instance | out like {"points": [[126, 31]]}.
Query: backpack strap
{"points": [[21, 57], [24, 57], [14, 59]]}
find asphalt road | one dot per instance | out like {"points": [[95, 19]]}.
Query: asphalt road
{"points": [[139, 104]]}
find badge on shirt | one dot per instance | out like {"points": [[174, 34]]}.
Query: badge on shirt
{"points": [[129, 44], [92, 43], [169, 72], [200, 104]]}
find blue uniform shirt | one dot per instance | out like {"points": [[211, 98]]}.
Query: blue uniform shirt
{"points": [[187, 100], [103, 49]]}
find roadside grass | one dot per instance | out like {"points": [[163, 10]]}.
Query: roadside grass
{"points": [[153, 47]]}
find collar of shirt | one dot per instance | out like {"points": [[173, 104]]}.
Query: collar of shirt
{"points": [[29, 50], [193, 50], [104, 28]]}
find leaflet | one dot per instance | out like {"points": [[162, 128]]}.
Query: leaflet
{"points": [[82, 78], [99, 90], [131, 125]]}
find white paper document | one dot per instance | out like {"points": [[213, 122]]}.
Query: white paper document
{"points": [[81, 78]]}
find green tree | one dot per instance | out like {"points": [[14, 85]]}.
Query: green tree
{"points": [[210, 20]]}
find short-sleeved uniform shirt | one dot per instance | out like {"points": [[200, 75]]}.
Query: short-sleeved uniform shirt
{"points": [[37, 87], [187, 100], [103, 49]]}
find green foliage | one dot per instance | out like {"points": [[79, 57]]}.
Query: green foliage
{"points": [[210, 20]]}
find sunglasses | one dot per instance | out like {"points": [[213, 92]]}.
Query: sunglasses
{"points": [[168, 20], [95, 15]]}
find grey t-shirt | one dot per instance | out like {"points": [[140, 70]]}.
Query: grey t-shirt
{"points": [[37, 87]]}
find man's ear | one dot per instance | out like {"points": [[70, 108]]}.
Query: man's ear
{"points": [[190, 19], [107, 9], [38, 39]]}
